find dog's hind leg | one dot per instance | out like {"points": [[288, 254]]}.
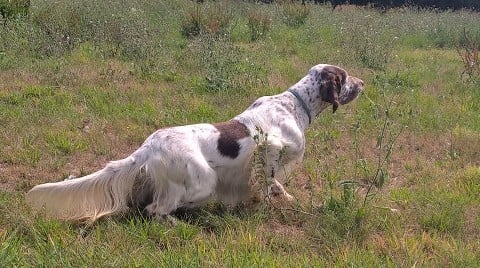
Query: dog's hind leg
{"points": [[190, 186], [165, 200], [168, 189], [201, 184]]}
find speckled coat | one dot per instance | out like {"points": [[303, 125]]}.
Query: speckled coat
{"points": [[186, 166]]}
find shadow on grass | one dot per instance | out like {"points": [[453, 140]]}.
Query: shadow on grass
{"points": [[212, 218]]}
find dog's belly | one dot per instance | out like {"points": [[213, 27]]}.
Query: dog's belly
{"points": [[233, 185], [177, 149]]}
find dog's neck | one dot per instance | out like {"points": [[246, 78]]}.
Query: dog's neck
{"points": [[307, 90], [302, 104]]}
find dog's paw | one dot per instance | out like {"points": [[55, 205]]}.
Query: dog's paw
{"points": [[168, 219], [277, 191], [288, 197]]}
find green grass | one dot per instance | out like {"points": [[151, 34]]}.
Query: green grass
{"points": [[85, 83]]}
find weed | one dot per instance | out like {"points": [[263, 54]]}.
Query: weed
{"points": [[63, 143], [192, 23], [259, 24], [347, 206], [294, 14], [218, 18], [341, 216], [85, 82], [469, 55], [220, 60], [10, 10], [212, 18], [469, 181], [441, 213], [369, 45], [260, 179], [224, 65], [386, 138]]}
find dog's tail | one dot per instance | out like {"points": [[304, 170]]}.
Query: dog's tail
{"points": [[105, 192]]}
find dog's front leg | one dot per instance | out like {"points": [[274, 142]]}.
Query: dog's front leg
{"points": [[276, 168], [276, 189]]}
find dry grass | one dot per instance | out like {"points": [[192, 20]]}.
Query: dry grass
{"points": [[94, 101]]}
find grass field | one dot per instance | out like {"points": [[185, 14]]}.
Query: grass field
{"points": [[391, 180]]}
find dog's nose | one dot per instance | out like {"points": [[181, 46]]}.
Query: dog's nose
{"points": [[361, 83]]}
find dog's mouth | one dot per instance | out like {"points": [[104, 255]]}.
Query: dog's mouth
{"points": [[353, 89]]}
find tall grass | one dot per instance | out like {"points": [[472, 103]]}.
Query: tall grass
{"points": [[390, 180]]}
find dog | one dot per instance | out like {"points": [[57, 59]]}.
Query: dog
{"points": [[186, 166]]}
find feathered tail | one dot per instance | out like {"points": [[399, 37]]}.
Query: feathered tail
{"points": [[107, 191]]}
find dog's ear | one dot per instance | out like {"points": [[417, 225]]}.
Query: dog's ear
{"points": [[332, 80], [329, 90]]}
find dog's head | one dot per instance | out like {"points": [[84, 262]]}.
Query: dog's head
{"points": [[336, 86]]}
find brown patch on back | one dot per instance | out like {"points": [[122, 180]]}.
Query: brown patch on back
{"points": [[230, 132], [332, 79]]}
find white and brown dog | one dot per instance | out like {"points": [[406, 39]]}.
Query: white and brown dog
{"points": [[186, 166]]}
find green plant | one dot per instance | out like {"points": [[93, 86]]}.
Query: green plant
{"points": [[294, 14], [10, 9], [259, 24], [193, 22], [213, 18], [68, 108], [223, 64], [220, 60], [348, 203], [57, 34], [259, 180], [341, 217], [441, 36], [368, 44], [469, 181], [441, 213], [218, 18], [468, 53], [376, 174]]}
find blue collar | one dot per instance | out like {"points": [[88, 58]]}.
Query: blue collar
{"points": [[302, 103]]}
